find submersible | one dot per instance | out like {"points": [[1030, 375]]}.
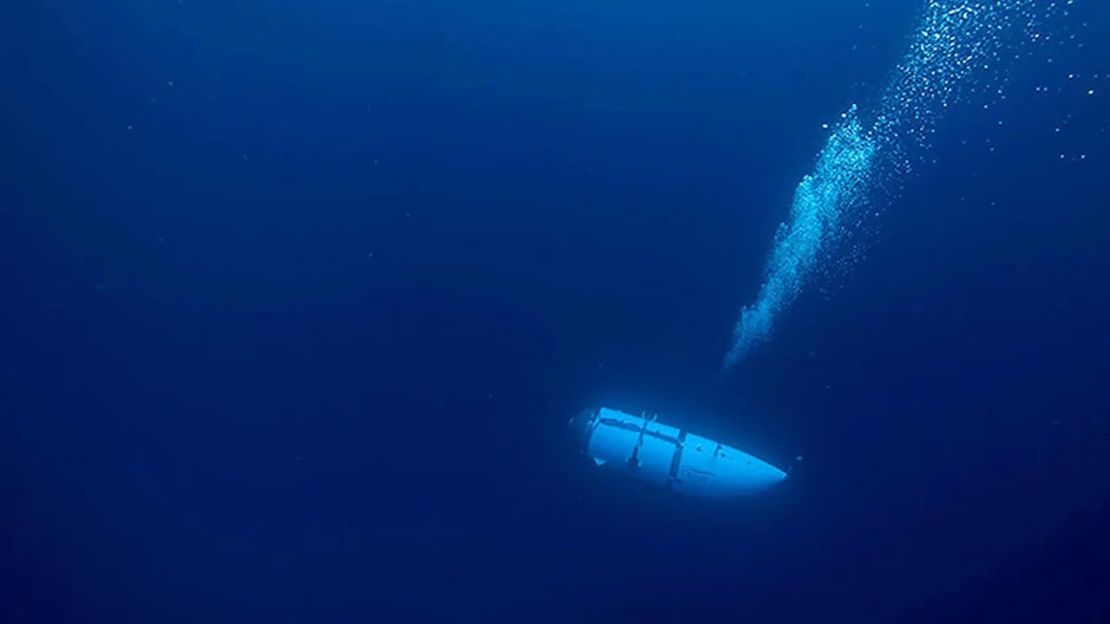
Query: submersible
{"points": [[670, 457]]}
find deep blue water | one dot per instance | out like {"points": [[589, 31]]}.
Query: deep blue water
{"points": [[298, 297]]}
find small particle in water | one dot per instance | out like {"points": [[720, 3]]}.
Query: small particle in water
{"points": [[169, 83], [370, 255], [1091, 92], [130, 127]]}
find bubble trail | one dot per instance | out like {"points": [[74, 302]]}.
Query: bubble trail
{"points": [[837, 183], [958, 50]]}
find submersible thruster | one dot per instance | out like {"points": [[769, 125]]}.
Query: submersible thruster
{"points": [[670, 457]]}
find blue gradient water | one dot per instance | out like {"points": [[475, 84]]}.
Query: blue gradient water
{"points": [[299, 296]]}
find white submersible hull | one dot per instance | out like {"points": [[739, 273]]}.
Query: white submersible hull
{"points": [[670, 457]]}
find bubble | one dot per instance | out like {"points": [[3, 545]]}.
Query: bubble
{"points": [[957, 54]]}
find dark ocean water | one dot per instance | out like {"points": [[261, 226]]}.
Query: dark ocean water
{"points": [[298, 297]]}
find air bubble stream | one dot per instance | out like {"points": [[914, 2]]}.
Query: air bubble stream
{"points": [[958, 50]]}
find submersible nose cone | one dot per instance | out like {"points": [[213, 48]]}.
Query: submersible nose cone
{"points": [[671, 457]]}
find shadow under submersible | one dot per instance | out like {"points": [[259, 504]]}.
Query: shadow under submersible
{"points": [[670, 457]]}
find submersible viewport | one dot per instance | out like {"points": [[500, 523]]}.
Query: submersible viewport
{"points": [[670, 457]]}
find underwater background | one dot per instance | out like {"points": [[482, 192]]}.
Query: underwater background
{"points": [[298, 298]]}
